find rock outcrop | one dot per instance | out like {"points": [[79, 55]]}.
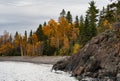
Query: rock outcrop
{"points": [[99, 58]]}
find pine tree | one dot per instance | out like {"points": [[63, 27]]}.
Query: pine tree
{"points": [[24, 41], [25, 34], [17, 44], [81, 29], [30, 37], [110, 14], [40, 34], [92, 18], [63, 13], [76, 22], [44, 24], [101, 27], [10, 39], [69, 17], [16, 34], [115, 10], [86, 30]]}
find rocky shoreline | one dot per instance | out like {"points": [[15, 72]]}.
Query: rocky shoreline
{"points": [[99, 59]]}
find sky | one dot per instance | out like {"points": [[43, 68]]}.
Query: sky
{"points": [[21, 15]]}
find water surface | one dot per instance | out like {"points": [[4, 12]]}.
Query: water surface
{"points": [[21, 71]]}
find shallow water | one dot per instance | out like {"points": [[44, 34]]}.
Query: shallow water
{"points": [[21, 71]]}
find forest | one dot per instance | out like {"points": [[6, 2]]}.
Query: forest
{"points": [[62, 37]]}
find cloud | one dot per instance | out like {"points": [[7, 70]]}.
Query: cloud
{"points": [[28, 14]]}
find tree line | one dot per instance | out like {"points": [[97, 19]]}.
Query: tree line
{"points": [[62, 37]]}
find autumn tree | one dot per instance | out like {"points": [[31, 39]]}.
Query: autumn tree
{"points": [[51, 31], [34, 40], [62, 37], [68, 31], [24, 41], [6, 47]]}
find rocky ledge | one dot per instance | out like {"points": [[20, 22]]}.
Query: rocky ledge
{"points": [[98, 59]]}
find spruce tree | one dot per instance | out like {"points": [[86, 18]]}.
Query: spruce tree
{"points": [[30, 37], [26, 34], [81, 29], [92, 18], [40, 34], [16, 34], [86, 31], [69, 17], [63, 13], [44, 24], [76, 22], [110, 14]]}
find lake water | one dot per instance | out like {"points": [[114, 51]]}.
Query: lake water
{"points": [[21, 71]]}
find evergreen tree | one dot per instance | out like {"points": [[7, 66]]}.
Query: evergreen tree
{"points": [[40, 34], [92, 18], [16, 34], [101, 27], [86, 31], [17, 51], [115, 10], [25, 43], [31, 33], [76, 22], [110, 14], [101, 17], [10, 39], [118, 7], [118, 11], [69, 17], [26, 34], [63, 13], [44, 24], [81, 29], [30, 37]]}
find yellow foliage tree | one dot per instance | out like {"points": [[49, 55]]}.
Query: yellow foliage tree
{"points": [[105, 24]]}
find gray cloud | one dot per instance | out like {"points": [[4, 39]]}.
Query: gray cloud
{"points": [[20, 15]]}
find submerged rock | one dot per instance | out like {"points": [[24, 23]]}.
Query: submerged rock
{"points": [[99, 58]]}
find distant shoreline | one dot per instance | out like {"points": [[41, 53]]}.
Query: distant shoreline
{"points": [[37, 60]]}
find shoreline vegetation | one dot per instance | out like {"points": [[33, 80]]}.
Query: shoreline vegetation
{"points": [[64, 36], [31, 59], [55, 41]]}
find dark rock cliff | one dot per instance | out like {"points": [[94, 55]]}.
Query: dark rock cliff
{"points": [[99, 58]]}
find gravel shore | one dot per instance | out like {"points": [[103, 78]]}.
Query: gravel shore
{"points": [[38, 59]]}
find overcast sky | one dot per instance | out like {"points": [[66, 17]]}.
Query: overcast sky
{"points": [[21, 15]]}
